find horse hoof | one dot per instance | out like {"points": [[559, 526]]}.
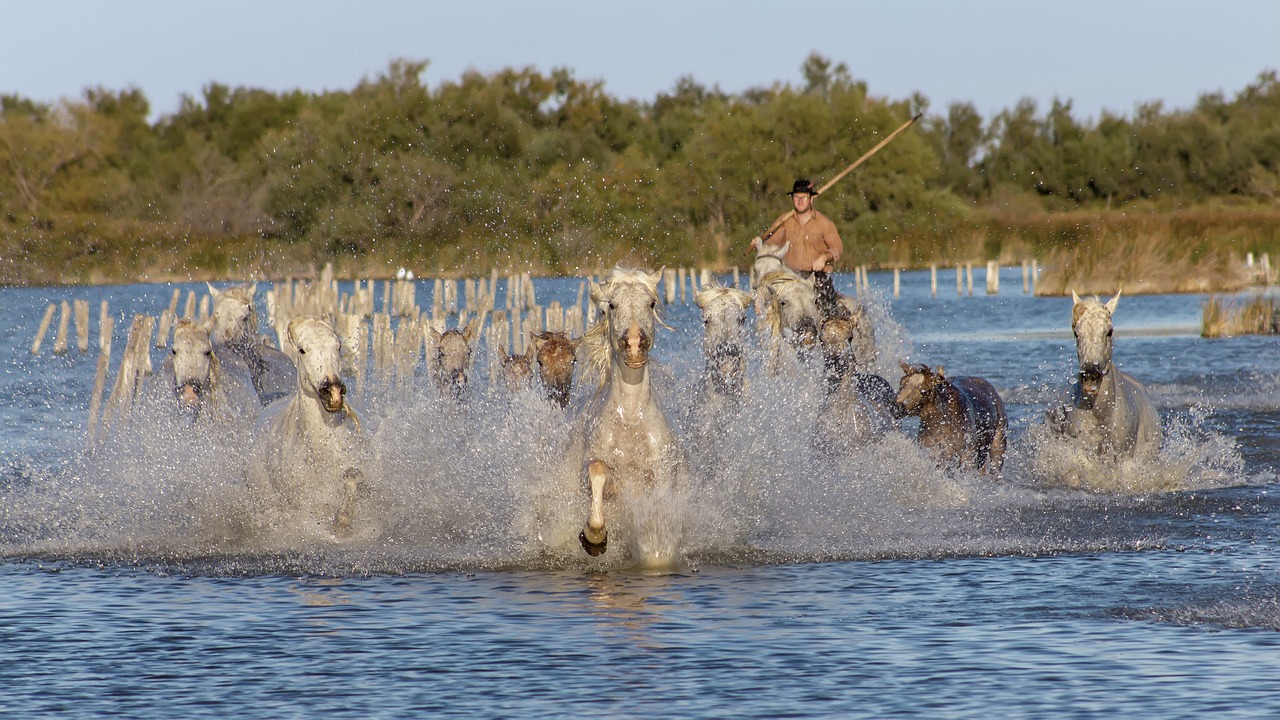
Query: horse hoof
{"points": [[594, 549]]}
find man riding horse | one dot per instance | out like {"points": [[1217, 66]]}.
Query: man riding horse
{"points": [[815, 243]]}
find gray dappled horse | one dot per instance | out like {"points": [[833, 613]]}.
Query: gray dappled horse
{"points": [[309, 445], [1109, 407], [452, 360], [628, 439], [962, 419], [235, 335]]}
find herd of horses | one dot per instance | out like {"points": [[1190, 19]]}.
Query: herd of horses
{"points": [[309, 446]]}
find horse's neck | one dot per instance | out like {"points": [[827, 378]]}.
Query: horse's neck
{"points": [[629, 388], [946, 408]]}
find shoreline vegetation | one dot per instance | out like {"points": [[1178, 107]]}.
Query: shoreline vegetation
{"points": [[521, 171]]}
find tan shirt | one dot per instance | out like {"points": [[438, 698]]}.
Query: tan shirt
{"points": [[808, 241]]}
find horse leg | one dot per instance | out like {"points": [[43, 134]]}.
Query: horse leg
{"points": [[351, 480], [995, 455], [594, 537]]}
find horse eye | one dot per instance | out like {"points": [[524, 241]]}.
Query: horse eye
{"points": [[1109, 331], [653, 304], [611, 305], [208, 353], [782, 303], [174, 351], [302, 351]]}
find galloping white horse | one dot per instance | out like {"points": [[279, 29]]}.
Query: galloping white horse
{"points": [[724, 317], [769, 259], [235, 329], [452, 360], [1108, 406], [628, 440], [309, 446], [203, 387], [790, 314]]}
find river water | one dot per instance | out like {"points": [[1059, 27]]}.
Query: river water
{"points": [[869, 585]]}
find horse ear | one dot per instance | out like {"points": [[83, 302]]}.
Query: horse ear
{"points": [[596, 293], [530, 350], [253, 290], [656, 276], [469, 332], [435, 334], [938, 371], [1075, 299], [291, 331], [1113, 302], [502, 350], [906, 369], [213, 291]]}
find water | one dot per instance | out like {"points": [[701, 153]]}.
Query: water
{"points": [[809, 586]]}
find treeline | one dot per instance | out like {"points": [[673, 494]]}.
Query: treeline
{"points": [[525, 169]]}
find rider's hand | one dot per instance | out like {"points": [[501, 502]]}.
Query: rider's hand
{"points": [[756, 242], [820, 263]]}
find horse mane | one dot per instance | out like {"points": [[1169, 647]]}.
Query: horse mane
{"points": [[597, 349], [714, 291]]}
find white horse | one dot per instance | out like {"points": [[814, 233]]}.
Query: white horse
{"points": [[201, 386], [724, 319], [628, 441], [791, 315], [1109, 407], [769, 259], [309, 446], [235, 330]]}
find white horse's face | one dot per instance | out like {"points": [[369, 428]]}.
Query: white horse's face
{"points": [[192, 364], [235, 322], [724, 315], [793, 306], [1091, 324], [629, 301], [317, 353]]}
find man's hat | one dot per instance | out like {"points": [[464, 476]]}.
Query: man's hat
{"points": [[803, 186]]}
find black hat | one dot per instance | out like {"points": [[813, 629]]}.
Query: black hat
{"points": [[803, 186]]}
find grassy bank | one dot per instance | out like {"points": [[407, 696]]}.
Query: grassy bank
{"points": [[1198, 250]]}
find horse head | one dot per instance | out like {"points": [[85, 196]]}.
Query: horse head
{"points": [[1091, 325], [317, 353], [235, 322], [919, 385], [836, 340], [516, 371], [769, 258], [628, 302], [557, 354], [724, 315], [791, 308], [194, 365], [453, 359]]}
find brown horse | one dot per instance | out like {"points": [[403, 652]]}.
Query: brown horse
{"points": [[557, 355], [515, 372], [857, 408], [962, 420]]}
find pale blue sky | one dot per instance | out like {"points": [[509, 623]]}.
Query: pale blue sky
{"points": [[1108, 54]]}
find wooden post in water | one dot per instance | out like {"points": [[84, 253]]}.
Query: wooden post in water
{"points": [[993, 277], [933, 280], [82, 325], [44, 328], [189, 311], [968, 277], [1035, 274], [896, 280], [162, 333], [737, 280], [64, 319], [680, 283], [100, 378], [106, 324], [959, 281], [1025, 280], [668, 286]]}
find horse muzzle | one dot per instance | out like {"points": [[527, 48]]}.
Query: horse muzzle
{"points": [[332, 394], [634, 346], [190, 394]]}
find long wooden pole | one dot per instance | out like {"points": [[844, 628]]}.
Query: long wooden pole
{"points": [[774, 228]]}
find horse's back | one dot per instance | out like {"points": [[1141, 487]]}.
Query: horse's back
{"points": [[990, 421], [1141, 413]]}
